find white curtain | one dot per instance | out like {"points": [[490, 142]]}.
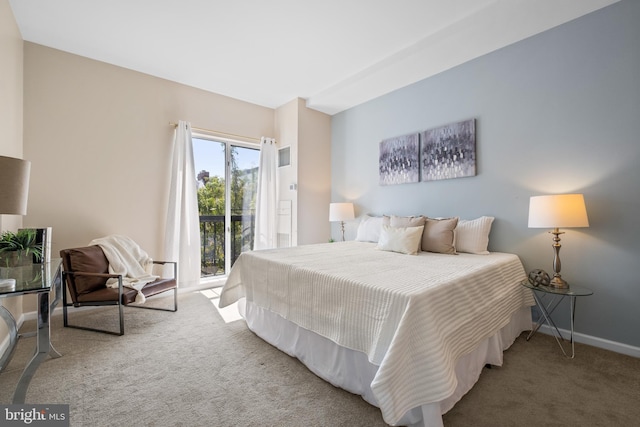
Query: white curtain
{"points": [[267, 198], [182, 242]]}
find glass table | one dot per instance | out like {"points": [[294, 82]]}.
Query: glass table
{"points": [[44, 280], [556, 295]]}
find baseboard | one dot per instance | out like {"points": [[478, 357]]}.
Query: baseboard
{"points": [[4, 344], [208, 283], [616, 347], [30, 315]]}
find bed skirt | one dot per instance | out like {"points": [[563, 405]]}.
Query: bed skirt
{"points": [[352, 371]]}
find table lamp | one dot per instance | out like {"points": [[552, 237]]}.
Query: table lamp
{"points": [[14, 185], [14, 191], [341, 212], [557, 211]]}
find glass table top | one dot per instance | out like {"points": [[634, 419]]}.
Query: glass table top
{"points": [[574, 291], [28, 279]]}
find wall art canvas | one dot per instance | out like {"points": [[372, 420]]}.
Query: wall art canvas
{"points": [[399, 160], [448, 151]]}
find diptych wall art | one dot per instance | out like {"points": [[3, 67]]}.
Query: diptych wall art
{"points": [[448, 151], [441, 153], [399, 160]]}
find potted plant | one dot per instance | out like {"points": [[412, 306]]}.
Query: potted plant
{"points": [[19, 248]]}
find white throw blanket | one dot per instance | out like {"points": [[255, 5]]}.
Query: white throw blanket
{"points": [[129, 260]]}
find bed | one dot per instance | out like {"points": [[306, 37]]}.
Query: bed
{"points": [[409, 333]]}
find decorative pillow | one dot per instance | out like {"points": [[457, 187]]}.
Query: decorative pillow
{"points": [[88, 259], [472, 236], [369, 229], [405, 240], [405, 221], [438, 235]]}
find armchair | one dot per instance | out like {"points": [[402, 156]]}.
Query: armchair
{"points": [[85, 272]]}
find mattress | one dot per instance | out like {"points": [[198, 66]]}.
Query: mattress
{"points": [[412, 316]]}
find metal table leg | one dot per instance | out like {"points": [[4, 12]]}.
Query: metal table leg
{"points": [[541, 320], [43, 348], [13, 337], [546, 317]]}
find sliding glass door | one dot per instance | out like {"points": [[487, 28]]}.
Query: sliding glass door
{"points": [[227, 174]]}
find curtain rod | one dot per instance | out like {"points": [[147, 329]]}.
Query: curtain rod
{"points": [[217, 132]]}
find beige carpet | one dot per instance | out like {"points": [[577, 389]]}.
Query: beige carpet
{"points": [[190, 368]]}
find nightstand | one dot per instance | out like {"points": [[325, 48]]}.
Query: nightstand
{"points": [[555, 297]]}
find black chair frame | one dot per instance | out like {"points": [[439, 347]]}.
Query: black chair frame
{"points": [[119, 303]]}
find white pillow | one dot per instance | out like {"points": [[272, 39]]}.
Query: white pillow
{"points": [[472, 236], [405, 240], [405, 221], [369, 229]]}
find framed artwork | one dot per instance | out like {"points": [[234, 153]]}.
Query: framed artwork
{"points": [[399, 160], [448, 151]]}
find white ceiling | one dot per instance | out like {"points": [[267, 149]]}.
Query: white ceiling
{"points": [[334, 53]]}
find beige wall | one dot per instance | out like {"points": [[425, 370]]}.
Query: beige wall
{"points": [[99, 140], [10, 84], [314, 176], [10, 119], [286, 120], [100, 144], [308, 133]]}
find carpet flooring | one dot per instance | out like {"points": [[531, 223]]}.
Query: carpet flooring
{"points": [[194, 368]]}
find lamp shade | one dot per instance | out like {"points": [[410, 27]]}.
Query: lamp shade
{"points": [[341, 212], [558, 211], [14, 185]]}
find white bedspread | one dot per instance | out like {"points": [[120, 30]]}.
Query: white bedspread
{"points": [[413, 316]]}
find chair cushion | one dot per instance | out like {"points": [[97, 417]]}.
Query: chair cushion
{"points": [[128, 294], [103, 294], [158, 286], [89, 259]]}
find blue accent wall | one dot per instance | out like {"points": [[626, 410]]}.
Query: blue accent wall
{"points": [[558, 112]]}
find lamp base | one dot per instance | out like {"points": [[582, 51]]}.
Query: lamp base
{"points": [[559, 282]]}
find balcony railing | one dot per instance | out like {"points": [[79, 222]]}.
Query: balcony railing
{"points": [[212, 241]]}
